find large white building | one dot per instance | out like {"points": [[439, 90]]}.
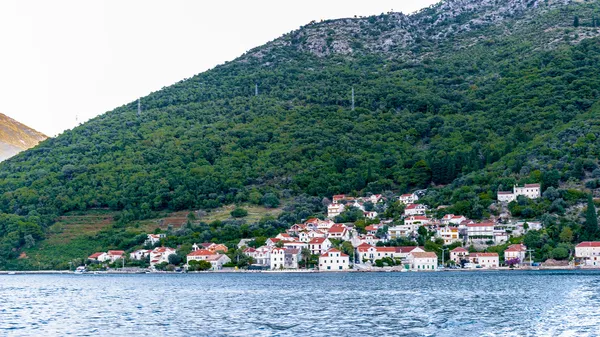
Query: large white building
{"points": [[408, 198], [426, 261], [531, 191], [588, 252], [485, 260], [480, 231], [334, 260], [415, 209], [334, 210]]}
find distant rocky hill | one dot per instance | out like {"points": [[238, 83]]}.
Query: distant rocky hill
{"points": [[16, 137]]}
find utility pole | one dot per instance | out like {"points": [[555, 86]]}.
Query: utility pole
{"points": [[352, 98], [443, 250], [139, 107], [530, 261]]}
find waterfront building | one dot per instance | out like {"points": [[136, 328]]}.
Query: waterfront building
{"points": [[485, 260], [459, 254], [423, 261], [334, 260], [588, 252], [518, 251]]}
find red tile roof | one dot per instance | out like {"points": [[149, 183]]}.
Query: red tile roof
{"points": [[459, 250], [419, 255], [116, 252], [516, 248], [484, 254], [201, 252], [337, 228], [589, 244], [316, 241], [95, 255], [483, 224], [333, 250]]}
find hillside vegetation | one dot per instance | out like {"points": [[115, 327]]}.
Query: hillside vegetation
{"points": [[474, 94]]}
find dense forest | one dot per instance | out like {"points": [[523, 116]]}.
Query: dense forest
{"points": [[476, 111]]}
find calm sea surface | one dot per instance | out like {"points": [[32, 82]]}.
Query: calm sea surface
{"points": [[537, 303]]}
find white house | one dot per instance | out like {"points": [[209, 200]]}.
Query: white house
{"points": [[408, 198], [417, 221], [154, 238], [262, 255], [451, 219], [100, 257], [217, 261], [370, 214], [425, 261], [334, 210], [485, 260], [338, 231], [588, 252], [516, 252], [160, 255], [139, 254], [282, 258], [415, 209], [114, 255], [480, 231], [199, 255], [319, 246], [531, 191], [458, 254], [400, 231], [285, 237], [334, 260]]}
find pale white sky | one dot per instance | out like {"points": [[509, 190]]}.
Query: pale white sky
{"points": [[64, 59]]}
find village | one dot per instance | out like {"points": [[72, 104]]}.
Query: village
{"points": [[345, 247]]}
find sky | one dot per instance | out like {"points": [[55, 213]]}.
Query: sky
{"points": [[63, 62]]}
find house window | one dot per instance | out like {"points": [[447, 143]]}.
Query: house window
{"points": [[328, 267]]}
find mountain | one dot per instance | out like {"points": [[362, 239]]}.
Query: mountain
{"points": [[465, 98], [16, 137]]}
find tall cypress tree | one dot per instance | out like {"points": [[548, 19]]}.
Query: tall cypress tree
{"points": [[590, 229], [576, 22]]}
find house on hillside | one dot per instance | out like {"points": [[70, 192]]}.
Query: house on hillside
{"points": [[480, 231], [408, 198], [154, 239], [415, 209], [531, 191], [449, 234], [334, 210], [318, 246]]}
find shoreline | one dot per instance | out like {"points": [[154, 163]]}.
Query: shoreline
{"points": [[290, 271]]}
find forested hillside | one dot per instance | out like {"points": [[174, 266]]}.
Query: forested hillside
{"points": [[470, 93]]}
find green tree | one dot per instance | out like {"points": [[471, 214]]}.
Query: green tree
{"points": [[239, 213], [590, 228], [576, 21]]}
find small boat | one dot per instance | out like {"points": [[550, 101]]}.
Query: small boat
{"points": [[12, 273], [80, 270]]}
